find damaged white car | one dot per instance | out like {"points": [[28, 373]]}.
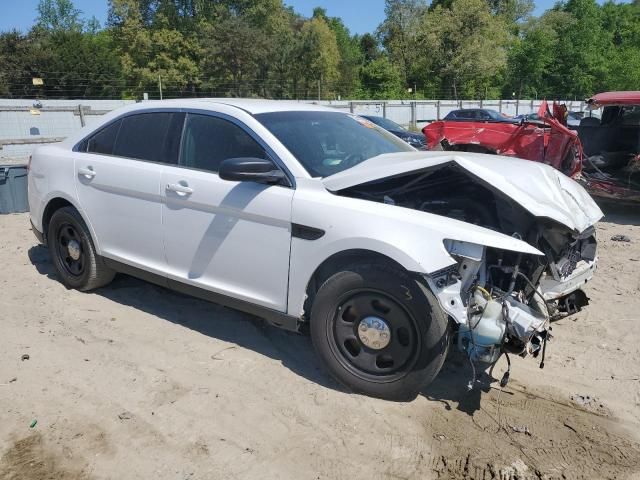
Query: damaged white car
{"points": [[320, 221]]}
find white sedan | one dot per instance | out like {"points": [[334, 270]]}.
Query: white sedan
{"points": [[318, 220]]}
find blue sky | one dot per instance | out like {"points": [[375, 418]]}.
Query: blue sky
{"points": [[360, 16]]}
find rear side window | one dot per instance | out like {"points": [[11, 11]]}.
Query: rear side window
{"points": [[103, 141], [153, 137], [208, 140]]}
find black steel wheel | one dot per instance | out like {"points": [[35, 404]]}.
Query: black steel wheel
{"points": [[70, 249], [379, 331], [374, 335], [73, 253]]}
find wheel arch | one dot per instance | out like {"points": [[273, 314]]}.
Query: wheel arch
{"points": [[56, 202], [333, 264]]}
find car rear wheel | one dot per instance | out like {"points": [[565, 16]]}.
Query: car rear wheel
{"points": [[73, 253], [379, 332]]}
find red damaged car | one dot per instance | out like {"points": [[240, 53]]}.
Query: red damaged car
{"points": [[611, 145], [543, 139]]}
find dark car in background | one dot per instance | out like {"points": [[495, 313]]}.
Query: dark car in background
{"points": [[416, 140], [477, 114]]}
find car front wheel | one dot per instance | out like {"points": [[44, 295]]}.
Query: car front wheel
{"points": [[378, 331]]}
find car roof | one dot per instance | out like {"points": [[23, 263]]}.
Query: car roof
{"points": [[474, 109], [250, 105], [616, 98]]}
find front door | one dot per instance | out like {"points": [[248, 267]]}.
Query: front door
{"points": [[231, 238]]}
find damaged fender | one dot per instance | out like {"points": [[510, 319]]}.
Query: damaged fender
{"points": [[415, 240]]}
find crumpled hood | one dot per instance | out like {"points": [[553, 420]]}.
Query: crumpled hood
{"points": [[538, 188]]}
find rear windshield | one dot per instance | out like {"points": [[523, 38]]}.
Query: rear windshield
{"points": [[330, 142]]}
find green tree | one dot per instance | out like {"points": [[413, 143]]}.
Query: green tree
{"points": [[533, 54], [58, 15], [381, 79], [232, 51], [579, 65], [72, 64], [319, 58], [512, 10], [351, 57], [154, 54], [399, 34], [621, 24], [467, 47], [369, 47]]}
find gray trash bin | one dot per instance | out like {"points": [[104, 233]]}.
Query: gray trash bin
{"points": [[13, 189]]}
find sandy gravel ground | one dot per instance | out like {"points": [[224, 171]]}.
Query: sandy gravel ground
{"points": [[134, 381]]}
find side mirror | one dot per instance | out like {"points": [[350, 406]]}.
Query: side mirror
{"points": [[249, 169]]}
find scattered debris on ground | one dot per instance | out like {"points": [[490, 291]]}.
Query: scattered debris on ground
{"points": [[621, 238]]}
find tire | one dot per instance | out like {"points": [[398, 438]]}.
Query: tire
{"points": [[396, 367], [68, 237]]}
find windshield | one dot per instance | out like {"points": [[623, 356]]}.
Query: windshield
{"points": [[496, 115], [330, 142], [385, 123]]}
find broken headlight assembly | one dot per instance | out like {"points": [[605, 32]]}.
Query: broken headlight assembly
{"points": [[498, 308]]}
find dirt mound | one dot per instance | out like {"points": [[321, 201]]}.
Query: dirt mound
{"points": [[541, 435], [28, 459]]}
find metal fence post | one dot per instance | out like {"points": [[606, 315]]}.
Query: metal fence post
{"points": [[438, 110], [500, 105], [81, 114], [351, 107], [384, 109], [413, 115]]}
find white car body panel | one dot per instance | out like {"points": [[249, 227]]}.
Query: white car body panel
{"points": [[412, 238], [52, 177], [124, 204], [231, 238], [539, 188], [553, 289], [244, 248]]}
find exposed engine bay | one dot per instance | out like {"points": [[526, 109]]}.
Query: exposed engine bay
{"points": [[502, 301]]}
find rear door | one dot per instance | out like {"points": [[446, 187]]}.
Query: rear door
{"points": [[231, 238], [118, 184]]}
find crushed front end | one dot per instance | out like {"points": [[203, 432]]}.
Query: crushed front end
{"points": [[503, 301], [501, 298]]}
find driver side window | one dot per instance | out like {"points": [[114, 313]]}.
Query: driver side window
{"points": [[208, 140]]}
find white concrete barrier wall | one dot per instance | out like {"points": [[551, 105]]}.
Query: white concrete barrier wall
{"points": [[24, 120]]}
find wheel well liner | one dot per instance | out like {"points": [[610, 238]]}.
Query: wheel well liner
{"points": [[53, 205]]}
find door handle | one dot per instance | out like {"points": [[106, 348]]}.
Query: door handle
{"points": [[179, 189], [88, 172]]}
